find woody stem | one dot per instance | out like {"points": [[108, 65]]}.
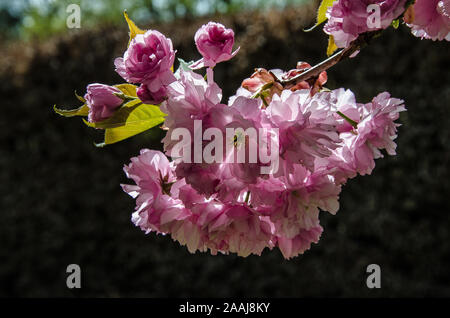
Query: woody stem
{"points": [[314, 71]]}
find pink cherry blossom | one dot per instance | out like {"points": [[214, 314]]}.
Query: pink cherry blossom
{"points": [[305, 193], [306, 130], [347, 19], [156, 209], [431, 19], [189, 98], [376, 130], [148, 60], [215, 44]]}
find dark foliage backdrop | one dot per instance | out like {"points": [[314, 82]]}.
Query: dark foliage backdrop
{"points": [[61, 202]]}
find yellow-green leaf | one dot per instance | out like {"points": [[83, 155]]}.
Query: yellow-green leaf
{"points": [[127, 89], [134, 30], [396, 23], [119, 118], [331, 46], [113, 135], [130, 120], [322, 13], [80, 98], [81, 111]]}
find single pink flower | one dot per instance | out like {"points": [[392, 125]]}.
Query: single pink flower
{"points": [[101, 101], [347, 19], [156, 208], [375, 130], [377, 125], [431, 19], [215, 44], [306, 192], [189, 98], [306, 126], [148, 60], [246, 114]]}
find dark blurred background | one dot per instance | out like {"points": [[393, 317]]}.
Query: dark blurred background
{"points": [[61, 202]]}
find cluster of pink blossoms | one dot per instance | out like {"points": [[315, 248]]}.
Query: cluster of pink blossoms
{"points": [[322, 137], [347, 19], [252, 191]]}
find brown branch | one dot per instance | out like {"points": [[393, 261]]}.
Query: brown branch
{"points": [[315, 71]]}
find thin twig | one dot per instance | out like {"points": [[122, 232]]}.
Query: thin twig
{"points": [[315, 71]]}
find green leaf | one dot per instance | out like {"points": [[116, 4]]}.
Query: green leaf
{"points": [[114, 135], [80, 111], [80, 98], [134, 30], [322, 13], [396, 23], [331, 46], [127, 89], [130, 120]]}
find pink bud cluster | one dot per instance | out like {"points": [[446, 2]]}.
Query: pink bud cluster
{"points": [[323, 138]]}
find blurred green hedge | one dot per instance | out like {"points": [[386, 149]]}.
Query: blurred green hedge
{"points": [[42, 18]]}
